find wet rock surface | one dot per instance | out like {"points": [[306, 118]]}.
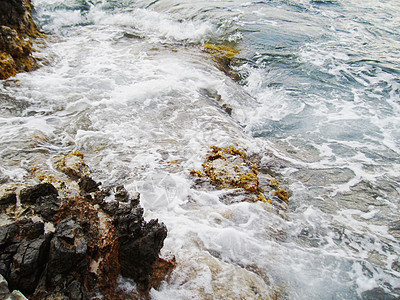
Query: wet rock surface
{"points": [[8, 199], [16, 30], [223, 57], [230, 168], [76, 246], [24, 247]]}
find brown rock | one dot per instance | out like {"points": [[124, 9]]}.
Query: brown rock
{"points": [[16, 30]]}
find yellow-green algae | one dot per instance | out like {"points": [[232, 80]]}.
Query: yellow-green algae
{"points": [[220, 50], [74, 165], [230, 168], [16, 44], [222, 56]]}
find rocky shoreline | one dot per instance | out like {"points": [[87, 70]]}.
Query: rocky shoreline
{"points": [[17, 29], [231, 169], [66, 237], [69, 237], [77, 246]]}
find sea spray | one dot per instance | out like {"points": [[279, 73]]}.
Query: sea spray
{"points": [[316, 99]]}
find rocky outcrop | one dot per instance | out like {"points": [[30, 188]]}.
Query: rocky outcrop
{"points": [[16, 30], [223, 57], [76, 246], [230, 168]]}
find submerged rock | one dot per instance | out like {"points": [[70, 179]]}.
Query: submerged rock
{"points": [[16, 30], [230, 168], [74, 165], [222, 280], [223, 57], [76, 246]]}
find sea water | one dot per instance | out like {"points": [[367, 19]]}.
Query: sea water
{"points": [[317, 100]]}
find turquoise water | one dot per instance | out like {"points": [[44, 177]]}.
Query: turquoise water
{"points": [[317, 100]]}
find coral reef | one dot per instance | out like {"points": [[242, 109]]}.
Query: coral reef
{"points": [[61, 245], [16, 30], [231, 168]]}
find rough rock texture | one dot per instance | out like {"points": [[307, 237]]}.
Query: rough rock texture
{"points": [[221, 280], [74, 165], [76, 246], [24, 247], [18, 15], [6, 294], [44, 197], [223, 57], [16, 30], [231, 168]]}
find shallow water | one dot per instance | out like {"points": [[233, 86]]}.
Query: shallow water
{"points": [[127, 83]]}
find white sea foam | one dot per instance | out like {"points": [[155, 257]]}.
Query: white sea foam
{"points": [[131, 88], [156, 24]]}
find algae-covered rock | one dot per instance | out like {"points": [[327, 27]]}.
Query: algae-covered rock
{"points": [[16, 30], [223, 56], [74, 165], [230, 168]]}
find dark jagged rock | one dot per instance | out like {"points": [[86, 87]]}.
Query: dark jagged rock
{"points": [[99, 197], [121, 194], [47, 207], [24, 250], [135, 199], [44, 196], [6, 294], [4, 291], [88, 185], [128, 221], [68, 255], [138, 255], [110, 207], [7, 233], [7, 200], [17, 15], [16, 29], [33, 194], [93, 237], [28, 263]]}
